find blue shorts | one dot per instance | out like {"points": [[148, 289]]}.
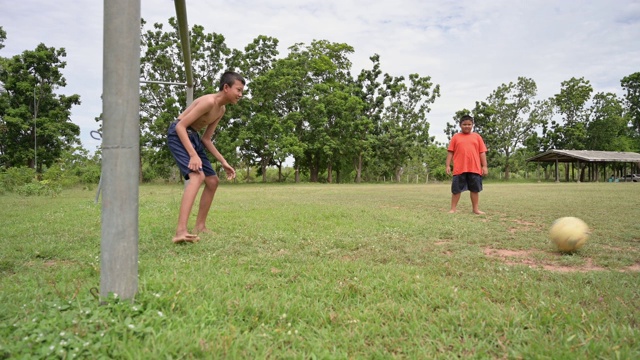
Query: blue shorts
{"points": [[181, 155], [466, 181]]}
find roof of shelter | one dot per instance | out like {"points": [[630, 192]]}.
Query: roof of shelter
{"points": [[586, 155]]}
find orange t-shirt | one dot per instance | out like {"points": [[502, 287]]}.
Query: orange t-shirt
{"points": [[466, 149]]}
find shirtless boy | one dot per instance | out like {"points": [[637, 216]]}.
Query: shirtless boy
{"points": [[188, 149]]}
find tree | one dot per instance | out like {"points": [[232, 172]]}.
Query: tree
{"points": [[507, 119], [434, 159], [264, 135], [571, 104], [343, 110], [32, 115], [3, 37], [372, 94], [607, 128], [403, 130], [278, 92], [631, 84], [311, 74], [515, 117]]}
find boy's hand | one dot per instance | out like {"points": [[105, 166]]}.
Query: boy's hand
{"points": [[448, 170], [485, 171], [231, 172], [195, 164]]}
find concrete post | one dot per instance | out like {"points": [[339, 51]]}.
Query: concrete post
{"points": [[120, 148]]}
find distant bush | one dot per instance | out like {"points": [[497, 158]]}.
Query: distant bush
{"points": [[39, 188], [439, 173], [14, 177]]}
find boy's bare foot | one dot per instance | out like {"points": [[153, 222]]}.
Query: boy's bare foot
{"points": [[478, 212], [185, 238], [203, 231], [452, 211]]}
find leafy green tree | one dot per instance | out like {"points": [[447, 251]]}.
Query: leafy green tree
{"points": [[571, 104], [607, 127], [343, 110], [312, 73], [631, 84], [264, 136], [32, 114], [434, 160], [373, 95], [515, 118], [278, 93], [403, 131], [3, 37]]}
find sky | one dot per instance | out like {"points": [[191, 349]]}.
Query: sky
{"points": [[468, 47]]}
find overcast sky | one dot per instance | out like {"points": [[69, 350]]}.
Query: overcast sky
{"points": [[468, 47]]}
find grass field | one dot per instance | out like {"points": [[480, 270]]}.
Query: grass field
{"points": [[330, 272]]}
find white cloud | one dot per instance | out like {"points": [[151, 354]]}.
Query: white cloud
{"points": [[468, 47]]}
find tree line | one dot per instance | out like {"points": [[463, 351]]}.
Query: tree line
{"points": [[307, 109]]}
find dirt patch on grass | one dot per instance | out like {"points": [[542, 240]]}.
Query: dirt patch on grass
{"points": [[442, 243], [632, 268], [525, 223], [48, 263], [614, 248], [533, 259]]}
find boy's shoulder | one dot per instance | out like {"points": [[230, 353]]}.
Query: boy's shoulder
{"points": [[211, 101], [469, 135]]}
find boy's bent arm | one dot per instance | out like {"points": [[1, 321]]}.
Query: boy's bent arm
{"points": [[208, 144]]}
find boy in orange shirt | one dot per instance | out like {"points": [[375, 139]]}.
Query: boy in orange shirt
{"points": [[468, 151]]}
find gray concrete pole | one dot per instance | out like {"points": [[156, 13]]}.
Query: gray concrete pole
{"points": [[120, 148]]}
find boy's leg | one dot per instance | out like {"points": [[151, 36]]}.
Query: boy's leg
{"points": [[454, 202], [475, 199], [210, 187], [458, 185], [188, 197], [475, 186]]}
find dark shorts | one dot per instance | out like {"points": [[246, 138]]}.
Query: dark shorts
{"points": [[466, 181], [181, 155]]}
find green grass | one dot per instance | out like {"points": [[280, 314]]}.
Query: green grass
{"points": [[330, 272]]}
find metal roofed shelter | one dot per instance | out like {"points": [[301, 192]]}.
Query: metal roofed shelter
{"points": [[594, 161]]}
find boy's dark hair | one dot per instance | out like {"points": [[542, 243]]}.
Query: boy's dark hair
{"points": [[229, 78], [466, 117]]}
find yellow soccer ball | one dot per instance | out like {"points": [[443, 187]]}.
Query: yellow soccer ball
{"points": [[569, 233]]}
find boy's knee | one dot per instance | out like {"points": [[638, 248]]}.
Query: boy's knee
{"points": [[211, 181], [197, 178]]}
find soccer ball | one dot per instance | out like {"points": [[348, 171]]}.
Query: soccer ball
{"points": [[569, 233]]}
